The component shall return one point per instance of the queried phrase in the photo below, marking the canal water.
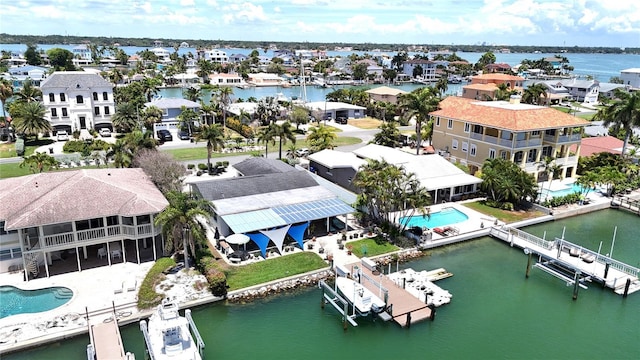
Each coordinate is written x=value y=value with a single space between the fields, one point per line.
x=495 y=312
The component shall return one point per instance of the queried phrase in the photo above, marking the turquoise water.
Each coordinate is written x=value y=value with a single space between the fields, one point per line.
x=15 y=301
x=448 y=216
x=563 y=192
x=495 y=312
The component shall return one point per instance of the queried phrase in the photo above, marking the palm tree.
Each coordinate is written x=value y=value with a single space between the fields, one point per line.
x=28 y=93
x=126 y=117
x=193 y=94
x=533 y=93
x=417 y=105
x=39 y=162
x=138 y=139
x=210 y=112
x=151 y=115
x=622 y=114
x=214 y=136
x=29 y=118
x=121 y=154
x=115 y=76
x=550 y=168
x=321 y=137
x=224 y=94
x=6 y=92
x=181 y=217
x=442 y=85
x=284 y=133
x=267 y=135
x=150 y=87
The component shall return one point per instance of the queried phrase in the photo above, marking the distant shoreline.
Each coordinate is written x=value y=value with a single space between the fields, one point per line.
x=331 y=46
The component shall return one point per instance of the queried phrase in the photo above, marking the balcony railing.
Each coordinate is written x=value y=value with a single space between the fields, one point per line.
x=528 y=143
x=83 y=236
x=563 y=138
x=571 y=160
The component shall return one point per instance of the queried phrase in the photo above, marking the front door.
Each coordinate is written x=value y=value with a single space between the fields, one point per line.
x=83 y=122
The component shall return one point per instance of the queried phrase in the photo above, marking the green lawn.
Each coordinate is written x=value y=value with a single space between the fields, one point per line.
x=200 y=153
x=272 y=269
x=14 y=170
x=8 y=150
x=371 y=247
x=502 y=215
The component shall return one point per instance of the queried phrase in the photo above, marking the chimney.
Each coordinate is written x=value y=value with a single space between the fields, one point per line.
x=515 y=99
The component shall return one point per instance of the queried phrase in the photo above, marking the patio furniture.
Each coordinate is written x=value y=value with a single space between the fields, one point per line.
x=102 y=253
x=116 y=254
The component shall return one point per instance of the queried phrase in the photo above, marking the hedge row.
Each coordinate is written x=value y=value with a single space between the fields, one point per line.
x=215 y=276
x=240 y=128
x=147 y=295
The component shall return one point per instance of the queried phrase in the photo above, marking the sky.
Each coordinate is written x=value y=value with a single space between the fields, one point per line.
x=610 y=23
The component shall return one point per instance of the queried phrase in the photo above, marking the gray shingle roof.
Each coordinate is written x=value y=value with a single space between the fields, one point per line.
x=57 y=197
x=74 y=79
x=252 y=185
x=261 y=166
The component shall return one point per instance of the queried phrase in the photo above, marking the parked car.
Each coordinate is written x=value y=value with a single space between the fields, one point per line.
x=105 y=132
x=302 y=152
x=183 y=135
x=164 y=135
x=63 y=136
x=342 y=120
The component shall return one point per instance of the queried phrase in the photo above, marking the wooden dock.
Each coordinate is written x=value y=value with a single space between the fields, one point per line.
x=106 y=342
x=405 y=309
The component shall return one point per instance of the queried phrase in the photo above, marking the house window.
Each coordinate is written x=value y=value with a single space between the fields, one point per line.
x=465 y=146
x=52 y=97
x=54 y=112
x=79 y=99
x=105 y=96
x=437 y=121
x=96 y=110
x=535 y=133
x=467 y=127
x=450 y=124
x=64 y=112
x=492 y=153
x=106 y=110
x=454 y=144
x=473 y=150
x=63 y=97
x=503 y=155
x=95 y=96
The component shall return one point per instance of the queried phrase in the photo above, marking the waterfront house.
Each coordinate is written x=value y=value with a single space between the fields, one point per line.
x=586 y=91
x=333 y=110
x=162 y=54
x=237 y=58
x=385 y=94
x=484 y=86
x=441 y=178
x=224 y=79
x=58 y=222
x=264 y=79
x=214 y=55
x=268 y=201
x=81 y=55
x=498 y=68
x=78 y=100
x=18 y=75
x=470 y=131
x=631 y=77
x=428 y=72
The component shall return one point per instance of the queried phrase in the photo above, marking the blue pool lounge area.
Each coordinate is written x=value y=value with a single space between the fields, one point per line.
x=446 y=216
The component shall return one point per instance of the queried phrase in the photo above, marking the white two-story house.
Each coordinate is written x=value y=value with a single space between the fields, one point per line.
x=75 y=220
x=78 y=100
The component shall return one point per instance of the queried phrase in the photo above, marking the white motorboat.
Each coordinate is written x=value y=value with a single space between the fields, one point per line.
x=360 y=297
x=169 y=335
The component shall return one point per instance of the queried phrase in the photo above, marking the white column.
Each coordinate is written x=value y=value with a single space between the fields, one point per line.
x=108 y=254
x=78 y=258
x=124 y=252
x=137 y=251
x=46 y=266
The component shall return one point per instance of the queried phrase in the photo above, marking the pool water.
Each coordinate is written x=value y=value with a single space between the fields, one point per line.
x=446 y=216
x=15 y=301
x=562 y=192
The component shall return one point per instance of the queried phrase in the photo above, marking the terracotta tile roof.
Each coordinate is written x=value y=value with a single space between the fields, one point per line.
x=498 y=77
x=598 y=144
x=485 y=87
x=56 y=197
x=503 y=115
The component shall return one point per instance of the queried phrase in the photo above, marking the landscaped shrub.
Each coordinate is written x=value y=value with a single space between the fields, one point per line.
x=216 y=278
x=242 y=129
x=191 y=166
x=562 y=200
x=202 y=167
x=84 y=147
x=20 y=147
x=147 y=295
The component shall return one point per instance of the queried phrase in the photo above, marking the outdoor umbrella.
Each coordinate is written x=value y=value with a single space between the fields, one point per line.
x=238 y=239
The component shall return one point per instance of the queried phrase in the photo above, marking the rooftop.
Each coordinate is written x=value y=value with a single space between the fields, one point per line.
x=504 y=115
x=172 y=103
x=260 y=166
x=56 y=197
x=385 y=90
x=74 y=79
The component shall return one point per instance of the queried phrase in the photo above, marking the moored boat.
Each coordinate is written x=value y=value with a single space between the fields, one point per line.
x=361 y=298
x=171 y=336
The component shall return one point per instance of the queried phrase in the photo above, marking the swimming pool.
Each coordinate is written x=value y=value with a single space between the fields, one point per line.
x=15 y=301
x=446 y=216
x=562 y=192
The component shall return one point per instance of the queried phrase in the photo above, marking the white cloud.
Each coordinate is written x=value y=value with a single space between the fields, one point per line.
x=187 y=2
x=244 y=13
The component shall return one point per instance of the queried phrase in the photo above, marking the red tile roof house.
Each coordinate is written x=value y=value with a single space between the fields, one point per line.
x=598 y=144
x=51 y=223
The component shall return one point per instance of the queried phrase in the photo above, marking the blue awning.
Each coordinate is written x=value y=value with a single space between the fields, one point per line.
x=285 y=215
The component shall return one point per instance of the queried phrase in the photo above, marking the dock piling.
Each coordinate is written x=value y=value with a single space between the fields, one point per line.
x=626 y=288
x=408 y=320
x=528 y=252
x=576 y=284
